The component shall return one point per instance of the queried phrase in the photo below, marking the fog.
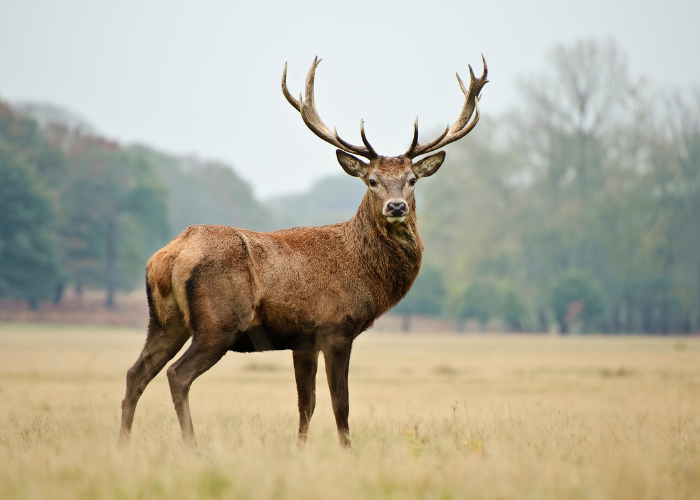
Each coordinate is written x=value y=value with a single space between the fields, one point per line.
x=204 y=78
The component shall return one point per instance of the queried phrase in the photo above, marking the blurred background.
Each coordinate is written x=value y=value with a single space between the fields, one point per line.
x=572 y=207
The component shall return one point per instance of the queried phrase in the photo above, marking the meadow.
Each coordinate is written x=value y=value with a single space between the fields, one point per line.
x=432 y=417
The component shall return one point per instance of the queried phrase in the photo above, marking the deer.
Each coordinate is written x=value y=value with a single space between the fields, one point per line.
x=306 y=289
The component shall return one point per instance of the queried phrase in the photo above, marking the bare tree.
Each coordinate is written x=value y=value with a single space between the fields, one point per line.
x=673 y=143
x=567 y=113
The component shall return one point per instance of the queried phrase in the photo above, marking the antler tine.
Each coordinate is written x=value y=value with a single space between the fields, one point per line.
x=307 y=109
x=364 y=139
x=417 y=150
x=460 y=128
x=414 y=142
x=286 y=92
x=345 y=145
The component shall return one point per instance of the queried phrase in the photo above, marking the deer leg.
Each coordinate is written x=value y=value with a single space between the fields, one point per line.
x=162 y=344
x=305 y=366
x=202 y=354
x=337 y=358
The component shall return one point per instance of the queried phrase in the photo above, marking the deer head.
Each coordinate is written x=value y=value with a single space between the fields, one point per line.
x=390 y=180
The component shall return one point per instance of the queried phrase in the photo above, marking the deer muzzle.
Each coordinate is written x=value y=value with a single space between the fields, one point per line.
x=395 y=210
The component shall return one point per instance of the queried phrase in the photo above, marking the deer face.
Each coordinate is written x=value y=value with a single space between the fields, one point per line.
x=391 y=181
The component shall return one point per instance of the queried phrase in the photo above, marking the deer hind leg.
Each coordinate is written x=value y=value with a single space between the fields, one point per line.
x=204 y=352
x=162 y=344
x=337 y=358
x=305 y=367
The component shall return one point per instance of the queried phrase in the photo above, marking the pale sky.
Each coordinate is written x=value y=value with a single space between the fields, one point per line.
x=203 y=77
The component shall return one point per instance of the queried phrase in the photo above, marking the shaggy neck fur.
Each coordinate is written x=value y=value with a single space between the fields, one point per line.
x=389 y=253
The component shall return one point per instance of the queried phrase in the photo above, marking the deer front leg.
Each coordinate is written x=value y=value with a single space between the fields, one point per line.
x=305 y=366
x=337 y=359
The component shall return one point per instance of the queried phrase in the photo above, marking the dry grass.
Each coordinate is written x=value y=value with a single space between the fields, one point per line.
x=431 y=416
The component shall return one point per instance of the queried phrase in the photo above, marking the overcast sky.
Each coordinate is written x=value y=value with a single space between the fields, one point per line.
x=204 y=77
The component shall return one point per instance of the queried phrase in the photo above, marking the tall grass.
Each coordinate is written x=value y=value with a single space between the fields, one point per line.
x=431 y=417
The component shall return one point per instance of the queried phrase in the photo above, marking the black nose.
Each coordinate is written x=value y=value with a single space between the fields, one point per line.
x=397 y=208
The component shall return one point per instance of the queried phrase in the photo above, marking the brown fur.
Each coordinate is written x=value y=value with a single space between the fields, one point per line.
x=308 y=289
x=158 y=271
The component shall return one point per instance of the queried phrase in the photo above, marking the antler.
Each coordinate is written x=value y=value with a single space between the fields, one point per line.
x=460 y=128
x=307 y=109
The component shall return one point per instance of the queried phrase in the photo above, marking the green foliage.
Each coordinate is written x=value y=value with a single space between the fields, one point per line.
x=470 y=212
x=116 y=217
x=597 y=176
x=204 y=193
x=512 y=308
x=28 y=260
x=77 y=209
x=30 y=178
x=427 y=295
x=480 y=301
x=574 y=290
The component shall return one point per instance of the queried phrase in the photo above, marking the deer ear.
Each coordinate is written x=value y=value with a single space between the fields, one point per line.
x=429 y=165
x=352 y=166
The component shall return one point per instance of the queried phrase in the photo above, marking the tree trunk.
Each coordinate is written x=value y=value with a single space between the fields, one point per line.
x=544 y=324
x=615 y=324
x=111 y=263
x=629 y=309
x=58 y=292
x=665 y=302
x=647 y=322
x=405 y=323
x=563 y=326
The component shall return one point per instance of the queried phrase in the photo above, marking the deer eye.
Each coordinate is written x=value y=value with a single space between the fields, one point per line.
x=372 y=183
x=412 y=181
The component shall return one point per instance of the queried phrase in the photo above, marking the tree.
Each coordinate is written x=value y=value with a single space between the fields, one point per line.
x=673 y=131
x=512 y=308
x=201 y=192
x=28 y=262
x=478 y=301
x=116 y=217
x=583 y=159
x=426 y=297
x=576 y=295
x=568 y=115
x=31 y=171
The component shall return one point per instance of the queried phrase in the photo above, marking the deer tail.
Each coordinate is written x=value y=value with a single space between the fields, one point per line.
x=159 y=270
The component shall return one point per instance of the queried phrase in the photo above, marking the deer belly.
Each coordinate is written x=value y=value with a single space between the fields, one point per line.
x=258 y=339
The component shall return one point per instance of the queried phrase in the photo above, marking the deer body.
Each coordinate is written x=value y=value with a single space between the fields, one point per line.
x=310 y=290
x=287 y=287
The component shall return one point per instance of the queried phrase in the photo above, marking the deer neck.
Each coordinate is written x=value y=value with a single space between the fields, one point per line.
x=390 y=253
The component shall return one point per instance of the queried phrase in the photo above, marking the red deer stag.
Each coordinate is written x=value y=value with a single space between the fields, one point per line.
x=307 y=289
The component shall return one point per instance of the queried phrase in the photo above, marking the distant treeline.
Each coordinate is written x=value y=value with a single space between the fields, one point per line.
x=579 y=209
x=79 y=210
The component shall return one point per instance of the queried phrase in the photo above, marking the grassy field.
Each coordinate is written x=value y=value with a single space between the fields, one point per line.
x=478 y=416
